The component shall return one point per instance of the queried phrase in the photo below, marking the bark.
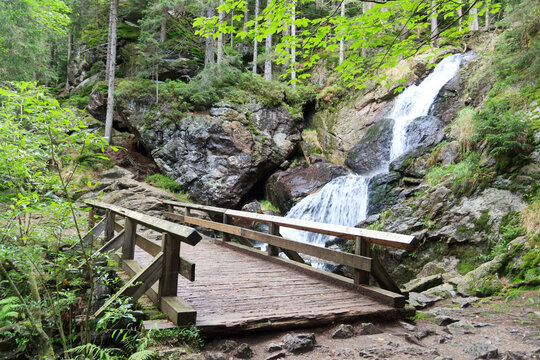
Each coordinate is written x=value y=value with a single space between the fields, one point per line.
x=366 y=6
x=268 y=50
x=293 y=47
x=460 y=15
x=220 y=36
x=69 y=47
x=487 y=18
x=163 y=32
x=111 y=64
x=232 y=33
x=474 y=15
x=433 y=19
x=255 y=41
x=209 y=46
x=342 y=40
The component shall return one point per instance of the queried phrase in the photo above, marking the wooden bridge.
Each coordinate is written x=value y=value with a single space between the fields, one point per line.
x=237 y=287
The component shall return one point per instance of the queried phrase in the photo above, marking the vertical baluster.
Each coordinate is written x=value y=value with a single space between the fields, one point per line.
x=168 y=283
x=273 y=229
x=361 y=248
x=130 y=235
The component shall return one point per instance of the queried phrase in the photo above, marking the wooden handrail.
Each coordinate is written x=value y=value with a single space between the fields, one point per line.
x=406 y=242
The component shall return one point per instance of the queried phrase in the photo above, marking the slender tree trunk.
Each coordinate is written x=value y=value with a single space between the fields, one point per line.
x=255 y=41
x=246 y=18
x=232 y=33
x=286 y=33
x=221 y=16
x=342 y=40
x=487 y=17
x=111 y=65
x=474 y=15
x=163 y=32
x=460 y=15
x=434 y=23
x=293 y=45
x=69 y=47
x=209 y=46
x=366 y=6
x=268 y=50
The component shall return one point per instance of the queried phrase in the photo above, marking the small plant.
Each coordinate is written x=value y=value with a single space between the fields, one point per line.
x=266 y=205
x=163 y=181
x=8 y=310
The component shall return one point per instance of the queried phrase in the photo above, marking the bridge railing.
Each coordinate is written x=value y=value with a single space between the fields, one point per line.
x=164 y=267
x=362 y=261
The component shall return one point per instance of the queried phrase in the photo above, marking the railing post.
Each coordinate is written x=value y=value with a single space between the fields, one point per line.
x=109 y=226
x=226 y=236
x=168 y=283
x=362 y=249
x=273 y=229
x=130 y=235
x=91 y=218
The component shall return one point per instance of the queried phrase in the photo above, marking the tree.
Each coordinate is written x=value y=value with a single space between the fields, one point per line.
x=268 y=49
x=342 y=39
x=220 y=36
x=110 y=68
x=293 y=45
x=433 y=19
x=209 y=44
x=255 y=39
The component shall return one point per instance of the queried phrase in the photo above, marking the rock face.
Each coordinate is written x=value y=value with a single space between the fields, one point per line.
x=374 y=148
x=284 y=188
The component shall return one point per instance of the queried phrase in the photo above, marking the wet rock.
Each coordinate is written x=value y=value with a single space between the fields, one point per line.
x=482 y=350
x=461 y=327
x=420 y=301
x=228 y=346
x=369 y=329
x=383 y=192
x=373 y=150
x=285 y=188
x=344 y=331
x=299 y=343
x=273 y=347
x=216 y=356
x=424 y=283
x=244 y=352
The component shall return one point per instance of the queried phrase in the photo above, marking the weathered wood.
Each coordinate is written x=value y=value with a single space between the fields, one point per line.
x=187 y=268
x=361 y=248
x=179 y=312
x=355 y=261
x=273 y=230
x=138 y=284
x=225 y=236
x=130 y=234
x=168 y=283
x=114 y=244
x=91 y=218
x=184 y=233
x=94 y=233
x=109 y=227
x=406 y=242
x=381 y=276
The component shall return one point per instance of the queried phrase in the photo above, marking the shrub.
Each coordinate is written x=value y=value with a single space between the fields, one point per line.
x=465 y=128
x=163 y=181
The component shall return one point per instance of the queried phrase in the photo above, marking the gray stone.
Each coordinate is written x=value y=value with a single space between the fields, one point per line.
x=407 y=326
x=228 y=346
x=273 y=347
x=244 y=352
x=369 y=329
x=299 y=343
x=279 y=355
x=444 y=320
x=514 y=355
x=344 y=331
x=424 y=283
x=420 y=301
x=482 y=350
x=216 y=356
x=485 y=273
x=461 y=327
x=116 y=172
x=444 y=291
x=383 y=192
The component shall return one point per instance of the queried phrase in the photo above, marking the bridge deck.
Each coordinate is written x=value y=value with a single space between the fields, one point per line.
x=235 y=292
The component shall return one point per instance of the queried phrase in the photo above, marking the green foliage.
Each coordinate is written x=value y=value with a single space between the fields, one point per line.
x=266 y=205
x=190 y=335
x=8 y=310
x=163 y=181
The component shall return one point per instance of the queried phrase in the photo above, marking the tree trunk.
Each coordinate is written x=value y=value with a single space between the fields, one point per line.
x=366 y=6
x=433 y=19
x=221 y=15
x=111 y=64
x=268 y=50
x=69 y=47
x=163 y=32
x=232 y=32
x=209 y=46
x=460 y=16
x=293 y=46
x=487 y=17
x=255 y=41
x=342 y=40
x=474 y=15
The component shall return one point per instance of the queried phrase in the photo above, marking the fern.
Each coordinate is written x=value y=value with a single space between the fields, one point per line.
x=8 y=310
x=94 y=352
x=143 y=355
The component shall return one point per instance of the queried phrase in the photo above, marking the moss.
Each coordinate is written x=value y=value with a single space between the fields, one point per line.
x=487 y=286
x=481 y=224
x=163 y=181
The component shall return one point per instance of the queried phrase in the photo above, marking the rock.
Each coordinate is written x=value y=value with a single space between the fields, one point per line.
x=86 y=83
x=244 y=352
x=369 y=329
x=273 y=347
x=171 y=353
x=444 y=291
x=219 y=156
x=482 y=280
x=443 y=358
x=228 y=346
x=444 y=320
x=482 y=350
x=299 y=343
x=514 y=355
x=254 y=207
x=116 y=173
x=216 y=356
x=407 y=326
x=344 y=331
x=285 y=188
x=420 y=301
x=465 y=302
x=461 y=328
x=373 y=150
x=424 y=334
x=424 y=283
x=382 y=192
x=279 y=355
x=449 y=154
x=449 y=101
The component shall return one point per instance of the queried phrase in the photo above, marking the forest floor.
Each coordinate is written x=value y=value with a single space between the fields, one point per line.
x=497 y=327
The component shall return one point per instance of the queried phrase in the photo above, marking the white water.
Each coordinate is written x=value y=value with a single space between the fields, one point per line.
x=344 y=200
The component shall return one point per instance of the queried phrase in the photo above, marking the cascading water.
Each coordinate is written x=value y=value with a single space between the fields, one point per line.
x=344 y=200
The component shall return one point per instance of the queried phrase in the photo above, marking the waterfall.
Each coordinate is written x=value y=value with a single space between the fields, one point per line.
x=344 y=200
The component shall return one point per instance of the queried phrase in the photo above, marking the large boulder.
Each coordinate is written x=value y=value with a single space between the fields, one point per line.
x=383 y=192
x=217 y=156
x=373 y=150
x=285 y=188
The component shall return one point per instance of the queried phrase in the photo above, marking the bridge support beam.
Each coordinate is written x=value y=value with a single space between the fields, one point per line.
x=168 y=283
x=130 y=236
x=362 y=249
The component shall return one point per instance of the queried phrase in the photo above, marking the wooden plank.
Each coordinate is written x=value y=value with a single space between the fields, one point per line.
x=384 y=296
x=138 y=284
x=95 y=232
x=109 y=226
x=184 y=233
x=178 y=311
x=114 y=244
x=224 y=236
x=355 y=261
x=91 y=218
x=361 y=248
x=130 y=234
x=187 y=268
x=168 y=283
x=273 y=229
x=381 y=276
x=406 y=242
